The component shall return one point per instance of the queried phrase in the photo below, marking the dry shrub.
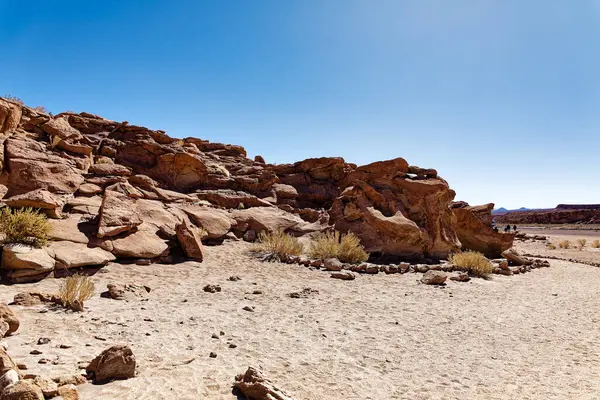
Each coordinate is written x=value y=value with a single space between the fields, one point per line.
x=596 y=244
x=14 y=99
x=54 y=141
x=581 y=242
x=74 y=290
x=26 y=226
x=41 y=109
x=564 y=244
x=472 y=262
x=104 y=160
x=550 y=246
x=278 y=244
x=346 y=248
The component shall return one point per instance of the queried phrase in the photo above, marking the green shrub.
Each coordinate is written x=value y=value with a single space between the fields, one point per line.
x=26 y=226
x=346 y=248
x=472 y=262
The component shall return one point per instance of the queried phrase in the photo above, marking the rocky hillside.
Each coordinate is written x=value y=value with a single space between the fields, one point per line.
x=115 y=190
x=562 y=214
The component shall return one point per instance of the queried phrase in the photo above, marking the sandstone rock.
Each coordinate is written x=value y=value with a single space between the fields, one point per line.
x=22 y=263
x=10 y=115
x=231 y=199
x=7 y=315
x=283 y=191
x=514 y=258
x=49 y=387
x=22 y=390
x=249 y=235
x=60 y=127
x=344 y=275
x=268 y=219
x=432 y=277
x=212 y=288
x=118 y=214
x=259 y=159
x=141 y=244
x=130 y=291
x=214 y=221
x=28 y=299
x=460 y=277
x=155 y=213
x=190 y=240
x=70 y=380
x=125 y=188
x=71 y=229
x=110 y=169
x=73 y=255
x=89 y=189
x=3 y=191
x=474 y=230
x=333 y=264
x=10 y=377
x=51 y=204
x=27 y=175
x=253 y=385
x=116 y=362
x=68 y=392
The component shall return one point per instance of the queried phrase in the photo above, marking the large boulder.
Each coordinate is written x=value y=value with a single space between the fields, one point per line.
x=189 y=238
x=22 y=263
x=116 y=362
x=72 y=229
x=50 y=203
x=60 y=127
x=8 y=316
x=145 y=243
x=216 y=223
x=270 y=219
x=118 y=214
x=474 y=230
x=73 y=255
x=10 y=115
x=157 y=214
x=231 y=199
x=22 y=390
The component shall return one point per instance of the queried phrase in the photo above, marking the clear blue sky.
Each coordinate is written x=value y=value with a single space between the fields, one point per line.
x=502 y=97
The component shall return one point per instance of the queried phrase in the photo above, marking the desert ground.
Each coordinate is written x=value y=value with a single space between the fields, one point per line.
x=528 y=336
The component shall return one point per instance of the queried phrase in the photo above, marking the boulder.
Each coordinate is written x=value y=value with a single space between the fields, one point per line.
x=333 y=264
x=460 y=277
x=89 y=189
x=50 y=203
x=85 y=205
x=22 y=390
x=215 y=222
x=119 y=291
x=110 y=169
x=433 y=277
x=474 y=230
x=27 y=175
x=344 y=275
x=72 y=229
x=515 y=259
x=10 y=115
x=10 y=377
x=231 y=199
x=73 y=255
x=116 y=362
x=127 y=189
x=145 y=243
x=118 y=214
x=60 y=127
x=7 y=315
x=270 y=219
x=155 y=213
x=190 y=240
x=68 y=392
x=48 y=386
x=22 y=263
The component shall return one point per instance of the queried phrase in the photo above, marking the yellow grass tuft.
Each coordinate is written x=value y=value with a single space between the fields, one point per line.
x=41 y=109
x=581 y=242
x=14 y=99
x=564 y=244
x=472 y=262
x=26 y=226
x=278 y=244
x=74 y=290
x=596 y=244
x=346 y=248
x=550 y=246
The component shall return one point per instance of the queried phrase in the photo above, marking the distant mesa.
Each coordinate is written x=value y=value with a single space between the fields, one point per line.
x=561 y=214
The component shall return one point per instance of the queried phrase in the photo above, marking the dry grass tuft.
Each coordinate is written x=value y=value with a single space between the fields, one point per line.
x=14 y=99
x=41 y=109
x=74 y=290
x=596 y=244
x=346 y=248
x=550 y=246
x=278 y=244
x=564 y=244
x=26 y=226
x=472 y=262
x=581 y=242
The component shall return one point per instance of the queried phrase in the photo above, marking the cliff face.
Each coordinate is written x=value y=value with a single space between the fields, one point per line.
x=561 y=215
x=116 y=183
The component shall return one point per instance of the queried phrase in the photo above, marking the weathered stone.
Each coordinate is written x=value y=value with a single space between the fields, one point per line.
x=189 y=238
x=22 y=263
x=344 y=275
x=118 y=214
x=432 y=277
x=128 y=291
x=73 y=255
x=117 y=362
x=514 y=258
x=7 y=315
x=110 y=169
x=51 y=204
x=332 y=264
x=22 y=390
x=89 y=189
x=141 y=244
x=215 y=222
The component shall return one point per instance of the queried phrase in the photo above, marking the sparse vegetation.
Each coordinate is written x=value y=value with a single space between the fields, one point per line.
x=596 y=244
x=41 y=109
x=26 y=226
x=14 y=99
x=75 y=290
x=346 y=248
x=278 y=244
x=550 y=246
x=54 y=141
x=581 y=242
x=472 y=262
x=564 y=244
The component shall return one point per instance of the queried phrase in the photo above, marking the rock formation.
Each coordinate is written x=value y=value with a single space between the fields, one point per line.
x=562 y=214
x=117 y=190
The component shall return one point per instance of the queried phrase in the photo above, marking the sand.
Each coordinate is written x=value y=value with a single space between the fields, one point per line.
x=532 y=336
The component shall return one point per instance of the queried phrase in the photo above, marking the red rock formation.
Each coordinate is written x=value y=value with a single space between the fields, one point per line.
x=560 y=215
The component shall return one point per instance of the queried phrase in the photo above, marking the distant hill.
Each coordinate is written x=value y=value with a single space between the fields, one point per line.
x=562 y=214
x=502 y=210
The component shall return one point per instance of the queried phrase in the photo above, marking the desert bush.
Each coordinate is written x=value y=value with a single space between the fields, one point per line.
x=27 y=226
x=472 y=262
x=564 y=244
x=14 y=99
x=550 y=246
x=581 y=242
x=596 y=244
x=278 y=244
x=74 y=290
x=54 y=141
x=41 y=109
x=346 y=248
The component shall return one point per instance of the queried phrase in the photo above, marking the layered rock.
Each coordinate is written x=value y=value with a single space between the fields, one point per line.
x=475 y=232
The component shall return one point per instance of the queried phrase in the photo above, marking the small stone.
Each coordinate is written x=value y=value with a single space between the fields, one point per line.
x=248 y=308
x=460 y=277
x=344 y=275
x=234 y=278
x=222 y=333
x=434 y=277
x=232 y=345
x=35 y=352
x=44 y=361
x=68 y=392
x=213 y=354
x=333 y=264
x=43 y=340
x=100 y=338
x=65 y=346
x=212 y=288
x=214 y=336
x=257 y=292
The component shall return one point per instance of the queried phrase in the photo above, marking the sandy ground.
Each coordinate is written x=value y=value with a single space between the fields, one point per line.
x=555 y=236
x=532 y=336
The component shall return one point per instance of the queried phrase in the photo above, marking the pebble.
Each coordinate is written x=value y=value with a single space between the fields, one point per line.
x=43 y=340
x=213 y=354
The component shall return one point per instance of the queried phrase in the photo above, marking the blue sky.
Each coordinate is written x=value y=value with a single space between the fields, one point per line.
x=502 y=97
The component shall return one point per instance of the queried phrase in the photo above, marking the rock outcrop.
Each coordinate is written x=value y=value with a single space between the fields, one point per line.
x=474 y=230
x=116 y=362
x=132 y=192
